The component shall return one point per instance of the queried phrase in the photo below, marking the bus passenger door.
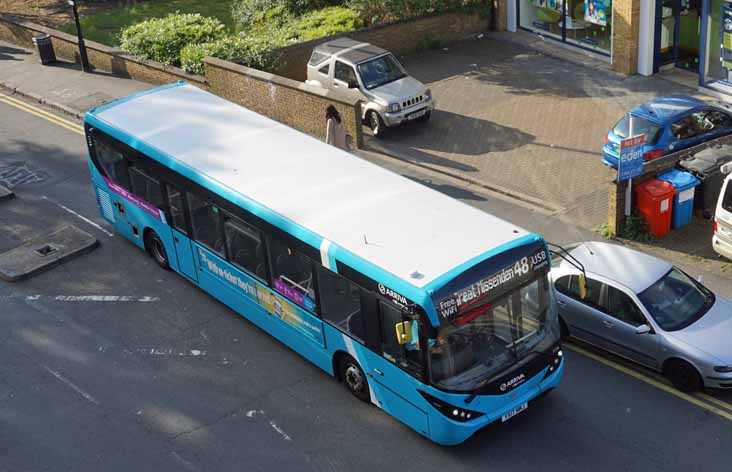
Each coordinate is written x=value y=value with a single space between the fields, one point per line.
x=394 y=372
x=179 y=229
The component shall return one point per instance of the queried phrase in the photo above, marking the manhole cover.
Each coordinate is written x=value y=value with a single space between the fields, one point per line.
x=20 y=173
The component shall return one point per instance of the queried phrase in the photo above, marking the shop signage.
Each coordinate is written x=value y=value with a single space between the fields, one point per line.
x=726 y=53
x=596 y=11
x=630 y=163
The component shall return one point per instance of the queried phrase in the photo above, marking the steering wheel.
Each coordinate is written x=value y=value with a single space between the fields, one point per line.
x=707 y=124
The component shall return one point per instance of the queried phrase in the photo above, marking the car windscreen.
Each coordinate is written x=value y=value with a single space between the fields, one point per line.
x=676 y=301
x=380 y=71
x=651 y=130
x=727 y=199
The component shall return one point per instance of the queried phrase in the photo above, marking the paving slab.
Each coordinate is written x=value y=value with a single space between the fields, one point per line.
x=44 y=252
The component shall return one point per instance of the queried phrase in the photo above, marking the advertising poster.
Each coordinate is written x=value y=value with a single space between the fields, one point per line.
x=551 y=4
x=288 y=313
x=631 y=159
x=596 y=11
x=726 y=53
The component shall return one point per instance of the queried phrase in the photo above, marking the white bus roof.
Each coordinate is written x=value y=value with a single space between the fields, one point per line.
x=390 y=221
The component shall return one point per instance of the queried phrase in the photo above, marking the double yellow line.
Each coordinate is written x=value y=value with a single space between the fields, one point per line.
x=702 y=400
x=69 y=125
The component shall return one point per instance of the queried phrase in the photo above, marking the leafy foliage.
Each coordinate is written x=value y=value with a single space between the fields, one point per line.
x=249 y=51
x=635 y=228
x=162 y=39
x=385 y=11
x=324 y=22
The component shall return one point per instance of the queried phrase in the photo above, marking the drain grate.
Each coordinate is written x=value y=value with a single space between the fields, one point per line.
x=45 y=250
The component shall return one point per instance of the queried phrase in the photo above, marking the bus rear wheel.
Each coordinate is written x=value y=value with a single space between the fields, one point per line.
x=156 y=249
x=354 y=378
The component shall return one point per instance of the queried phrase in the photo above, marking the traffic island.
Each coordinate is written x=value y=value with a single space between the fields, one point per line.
x=44 y=252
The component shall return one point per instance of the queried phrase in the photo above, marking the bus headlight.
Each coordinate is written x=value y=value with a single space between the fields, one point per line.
x=451 y=411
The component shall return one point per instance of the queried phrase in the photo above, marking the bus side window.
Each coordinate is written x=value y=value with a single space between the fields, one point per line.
x=407 y=359
x=175 y=204
x=245 y=246
x=206 y=223
x=340 y=302
x=114 y=164
x=145 y=187
x=292 y=274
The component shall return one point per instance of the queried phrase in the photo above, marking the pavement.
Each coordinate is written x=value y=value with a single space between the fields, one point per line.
x=522 y=116
x=62 y=85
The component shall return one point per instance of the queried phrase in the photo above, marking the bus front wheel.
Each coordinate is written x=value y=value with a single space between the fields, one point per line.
x=156 y=249
x=354 y=378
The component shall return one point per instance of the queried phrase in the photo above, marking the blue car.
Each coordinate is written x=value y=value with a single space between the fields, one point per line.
x=669 y=124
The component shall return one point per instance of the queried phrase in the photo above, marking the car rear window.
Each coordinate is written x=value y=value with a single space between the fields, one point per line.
x=640 y=126
x=316 y=58
x=727 y=199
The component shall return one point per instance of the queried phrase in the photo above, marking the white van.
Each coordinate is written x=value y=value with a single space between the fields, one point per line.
x=722 y=240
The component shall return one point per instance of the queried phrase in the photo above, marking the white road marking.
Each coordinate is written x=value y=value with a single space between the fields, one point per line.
x=71 y=385
x=157 y=351
x=81 y=217
x=279 y=430
x=184 y=462
x=83 y=298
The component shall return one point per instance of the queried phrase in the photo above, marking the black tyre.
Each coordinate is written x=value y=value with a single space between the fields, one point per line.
x=156 y=249
x=378 y=128
x=426 y=117
x=683 y=376
x=354 y=378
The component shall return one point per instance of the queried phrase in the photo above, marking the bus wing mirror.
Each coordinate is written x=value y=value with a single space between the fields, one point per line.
x=404 y=332
x=582 y=286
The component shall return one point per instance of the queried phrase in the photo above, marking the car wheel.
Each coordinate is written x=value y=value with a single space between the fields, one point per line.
x=156 y=249
x=354 y=378
x=683 y=376
x=426 y=117
x=378 y=128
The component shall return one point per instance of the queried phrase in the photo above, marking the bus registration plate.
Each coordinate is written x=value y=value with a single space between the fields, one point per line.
x=514 y=412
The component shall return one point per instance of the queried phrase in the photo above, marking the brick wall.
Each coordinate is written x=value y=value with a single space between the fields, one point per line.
x=400 y=38
x=616 y=204
x=625 y=30
x=290 y=102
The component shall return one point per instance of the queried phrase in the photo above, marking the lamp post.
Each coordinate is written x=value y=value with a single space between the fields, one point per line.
x=82 y=47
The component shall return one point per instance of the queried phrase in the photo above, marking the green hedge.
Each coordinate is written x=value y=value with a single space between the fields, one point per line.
x=162 y=39
x=325 y=22
x=248 y=51
x=385 y=11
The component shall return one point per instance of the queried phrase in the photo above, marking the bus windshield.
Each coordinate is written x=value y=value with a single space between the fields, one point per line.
x=491 y=336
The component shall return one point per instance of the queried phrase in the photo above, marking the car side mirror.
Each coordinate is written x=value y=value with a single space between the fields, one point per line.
x=352 y=84
x=403 y=332
x=643 y=329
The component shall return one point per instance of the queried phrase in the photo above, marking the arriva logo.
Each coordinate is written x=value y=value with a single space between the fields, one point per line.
x=513 y=383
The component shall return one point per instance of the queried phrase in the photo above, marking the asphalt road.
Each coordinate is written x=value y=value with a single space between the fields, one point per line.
x=109 y=363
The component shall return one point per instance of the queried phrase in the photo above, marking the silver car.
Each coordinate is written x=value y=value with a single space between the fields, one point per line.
x=644 y=309
x=362 y=71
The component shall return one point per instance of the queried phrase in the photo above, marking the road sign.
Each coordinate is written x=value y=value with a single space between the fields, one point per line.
x=630 y=163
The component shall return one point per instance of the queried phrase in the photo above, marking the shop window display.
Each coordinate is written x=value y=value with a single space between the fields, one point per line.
x=587 y=23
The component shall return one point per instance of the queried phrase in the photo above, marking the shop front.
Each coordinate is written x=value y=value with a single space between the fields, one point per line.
x=678 y=34
x=716 y=32
x=583 y=23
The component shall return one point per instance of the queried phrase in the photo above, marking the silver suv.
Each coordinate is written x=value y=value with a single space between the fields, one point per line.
x=362 y=71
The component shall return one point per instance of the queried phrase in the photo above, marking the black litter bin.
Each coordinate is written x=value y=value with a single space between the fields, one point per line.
x=705 y=165
x=45 y=48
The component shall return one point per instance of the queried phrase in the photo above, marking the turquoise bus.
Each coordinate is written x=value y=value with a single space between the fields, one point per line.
x=436 y=312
